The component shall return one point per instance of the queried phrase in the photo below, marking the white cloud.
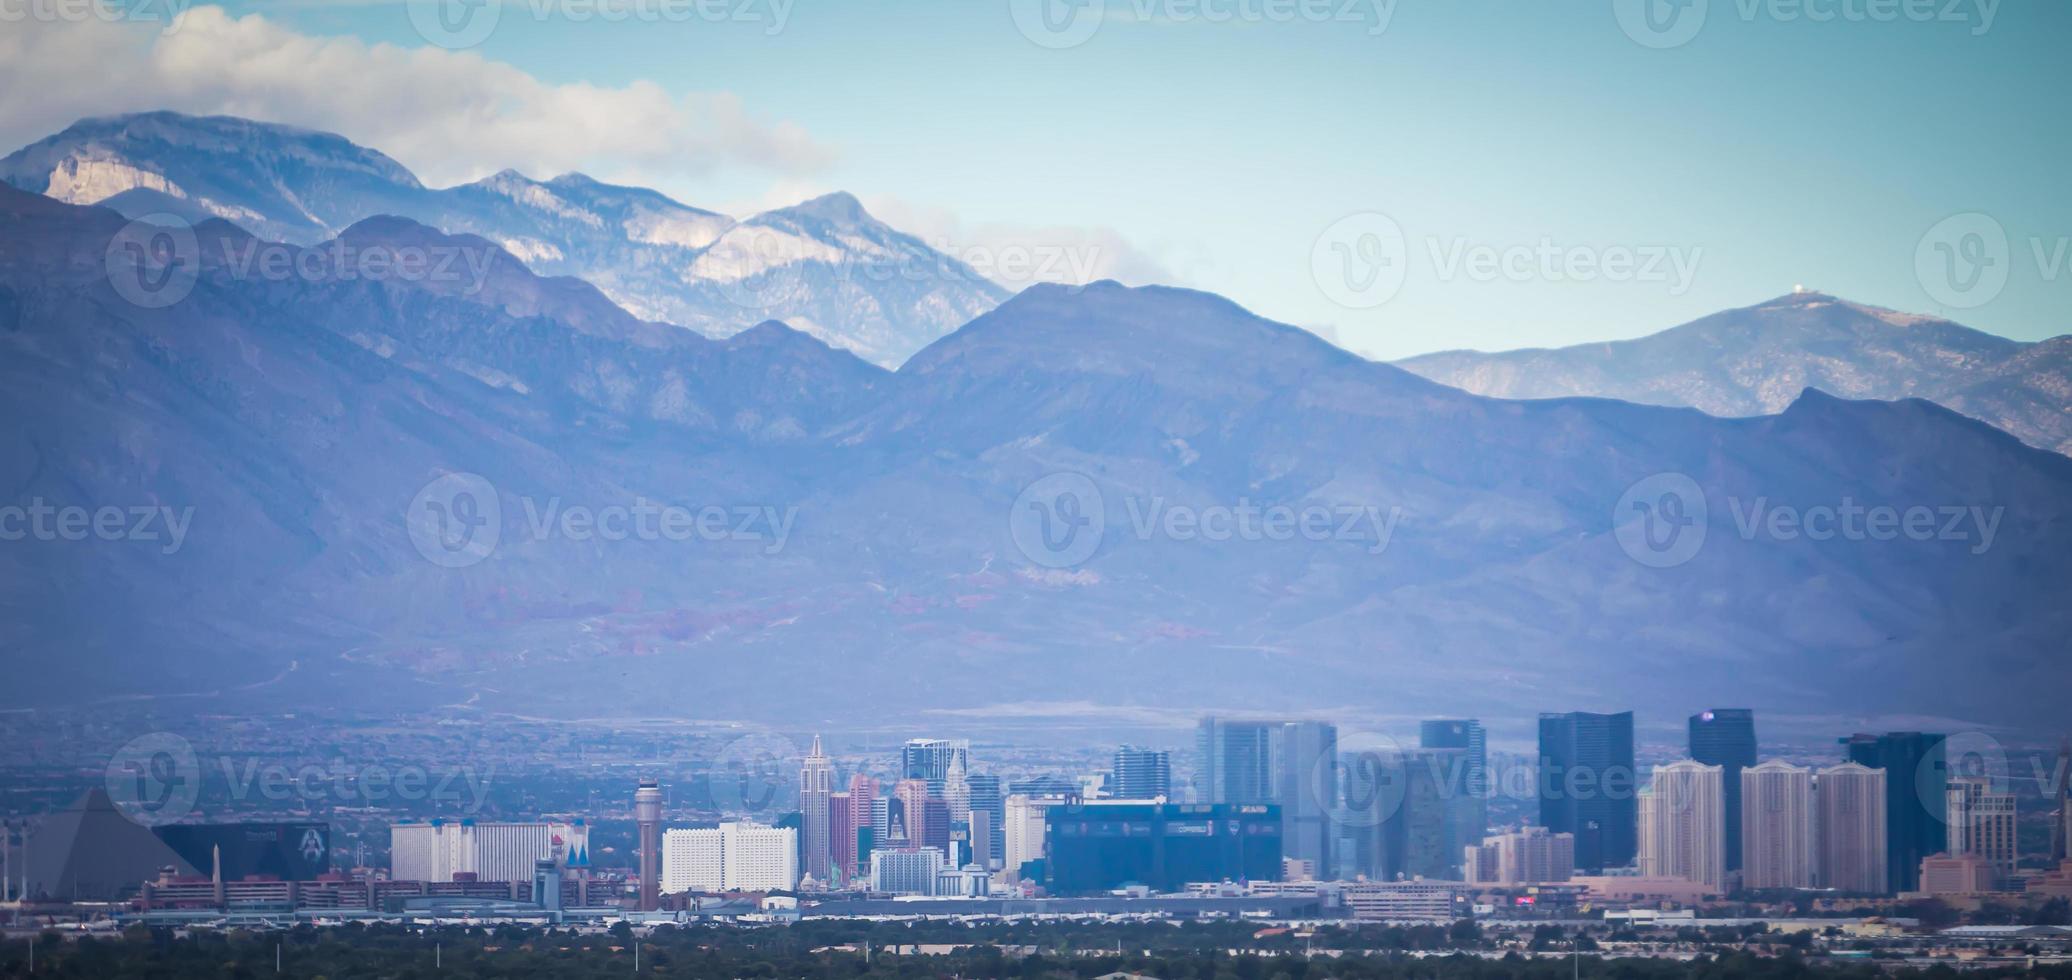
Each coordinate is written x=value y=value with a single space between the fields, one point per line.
x=449 y=116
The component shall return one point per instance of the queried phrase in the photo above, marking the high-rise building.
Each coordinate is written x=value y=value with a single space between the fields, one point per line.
x=1024 y=830
x=1098 y=845
x=956 y=793
x=1397 y=815
x=986 y=798
x=1849 y=823
x=735 y=856
x=982 y=838
x=1140 y=774
x=693 y=860
x=442 y=850
x=1467 y=784
x=1916 y=793
x=913 y=797
x=1725 y=737
x=841 y=839
x=1981 y=822
x=816 y=786
x=647 y=816
x=907 y=871
x=1292 y=765
x=1587 y=783
x=1777 y=826
x=866 y=815
x=929 y=759
x=1683 y=824
x=1527 y=856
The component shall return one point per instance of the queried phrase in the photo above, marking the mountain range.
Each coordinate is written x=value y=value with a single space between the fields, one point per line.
x=1756 y=360
x=825 y=266
x=888 y=543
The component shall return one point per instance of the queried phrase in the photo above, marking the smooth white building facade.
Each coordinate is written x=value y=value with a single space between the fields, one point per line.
x=1024 y=830
x=1683 y=825
x=442 y=849
x=1850 y=826
x=735 y=856
x=1777 y=844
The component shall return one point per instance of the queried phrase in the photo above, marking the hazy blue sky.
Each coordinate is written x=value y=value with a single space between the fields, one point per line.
x=1217 y=140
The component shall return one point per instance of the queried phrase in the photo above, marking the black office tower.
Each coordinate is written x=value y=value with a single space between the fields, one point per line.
x=1916 y=786
x=1096 y=846
x=1725 y=737
x=1587 y=786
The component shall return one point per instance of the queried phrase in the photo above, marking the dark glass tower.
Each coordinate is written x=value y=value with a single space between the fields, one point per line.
x=1466 y=784
x=1586 y=785
x=1917 y=783
x=1725 y=737
x=1291 y=764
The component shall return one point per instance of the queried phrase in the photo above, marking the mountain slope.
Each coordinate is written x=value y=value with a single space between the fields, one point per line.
x=826 y=266
x=1284 y=526
x=1756 y=360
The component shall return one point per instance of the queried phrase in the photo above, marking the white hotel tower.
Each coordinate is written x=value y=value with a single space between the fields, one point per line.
x=1683 y=824
x=1777 y=844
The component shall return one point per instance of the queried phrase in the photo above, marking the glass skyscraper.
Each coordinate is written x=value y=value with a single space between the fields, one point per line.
x=1725 y=737
x=1289 y=764
x=1587 y=785
x=1465 y=785
x=1916 y=791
